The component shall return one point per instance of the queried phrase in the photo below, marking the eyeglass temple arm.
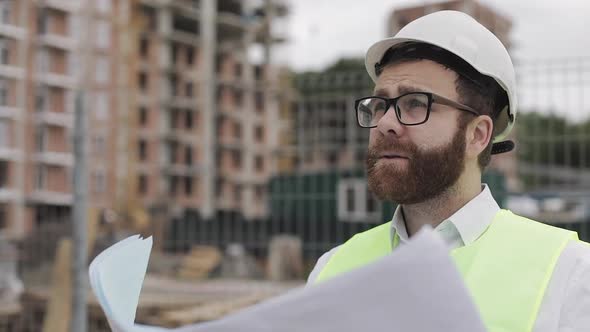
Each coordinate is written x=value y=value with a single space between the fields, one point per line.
x=444 y=101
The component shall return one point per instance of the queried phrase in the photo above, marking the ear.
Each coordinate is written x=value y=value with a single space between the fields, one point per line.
x=479 y=133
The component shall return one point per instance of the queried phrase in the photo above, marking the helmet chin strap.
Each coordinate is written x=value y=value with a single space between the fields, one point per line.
x=501 y=147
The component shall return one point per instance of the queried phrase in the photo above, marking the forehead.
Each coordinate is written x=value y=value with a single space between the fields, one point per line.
x=419 y=75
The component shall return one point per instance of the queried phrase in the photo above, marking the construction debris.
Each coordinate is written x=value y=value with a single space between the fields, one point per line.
x=238 y=264
x=285 y=259
x=11 y=286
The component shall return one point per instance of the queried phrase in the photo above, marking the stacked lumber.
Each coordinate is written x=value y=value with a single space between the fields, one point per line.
x=199 y=262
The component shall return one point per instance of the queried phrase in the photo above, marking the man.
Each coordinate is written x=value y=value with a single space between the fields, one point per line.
x=444 y=99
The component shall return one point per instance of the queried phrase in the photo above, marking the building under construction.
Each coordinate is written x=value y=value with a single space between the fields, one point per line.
x=181 y=119
x=202 y=120
x=45 y=54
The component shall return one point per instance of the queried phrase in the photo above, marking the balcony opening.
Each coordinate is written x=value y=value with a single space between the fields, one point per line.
x=40 y=177
x=238 y=97
x=259 y=163
x=185 y=24
x=238 y=70
x=190 y=55
x=52 y=214
x=3 y=219
x=258 y=73
x=4 y=169
x=189 y=120
x=188 y=186
x=231 y=6
x=332 y=159
x=42 y=21
x=258 y=193
x=149 y=17
x=144 y=48
x=219 y=93
x=237 y=131
x=40 y=139
x=259 y=101
x=3 y=92
x=236 y=159
x=219 y=60
x=238 y=193
x=259 y=134
x=143 y=150
x=173 y=152
x=173 y=185
x=143 y=81
x=173 y=79
x=174 y=53
x=189 y=89
x=188 y=155
x=219 y=184
x=143 y=116
x=142 y=184
x=174 y=115
x=4 y=51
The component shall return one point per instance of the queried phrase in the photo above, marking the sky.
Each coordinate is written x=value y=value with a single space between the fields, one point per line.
x=322 y=31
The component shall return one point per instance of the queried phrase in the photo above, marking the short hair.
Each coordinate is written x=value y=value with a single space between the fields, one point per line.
x=479 y=91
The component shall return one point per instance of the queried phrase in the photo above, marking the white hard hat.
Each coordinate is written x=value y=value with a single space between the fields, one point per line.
x=463 y=36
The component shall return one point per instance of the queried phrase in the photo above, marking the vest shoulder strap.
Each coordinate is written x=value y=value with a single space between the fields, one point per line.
x=361 y=249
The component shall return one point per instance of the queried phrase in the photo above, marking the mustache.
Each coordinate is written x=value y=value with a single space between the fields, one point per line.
x=383 y=144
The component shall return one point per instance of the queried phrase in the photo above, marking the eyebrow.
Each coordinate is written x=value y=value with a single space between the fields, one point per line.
x=402 y=89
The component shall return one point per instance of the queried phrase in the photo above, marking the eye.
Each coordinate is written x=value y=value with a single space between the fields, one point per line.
x=415 y=102
x=379 y=108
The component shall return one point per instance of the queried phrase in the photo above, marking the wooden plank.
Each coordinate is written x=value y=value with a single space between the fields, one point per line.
x=92 y=228
x=59 y=306
x=208 y=311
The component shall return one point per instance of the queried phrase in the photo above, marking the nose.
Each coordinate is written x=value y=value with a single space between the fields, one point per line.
x=389 y=124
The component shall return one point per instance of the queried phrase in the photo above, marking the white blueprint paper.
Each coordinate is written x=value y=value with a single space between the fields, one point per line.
x=416 y=288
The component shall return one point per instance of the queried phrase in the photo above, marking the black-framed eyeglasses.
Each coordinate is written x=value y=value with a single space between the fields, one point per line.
x=411 y=108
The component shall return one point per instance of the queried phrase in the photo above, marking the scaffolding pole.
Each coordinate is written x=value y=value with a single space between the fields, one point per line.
x=79 y=272
x=79 y=312
x=209 y=84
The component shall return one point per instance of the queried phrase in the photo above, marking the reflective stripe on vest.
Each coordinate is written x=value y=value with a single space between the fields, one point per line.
x=507 y=269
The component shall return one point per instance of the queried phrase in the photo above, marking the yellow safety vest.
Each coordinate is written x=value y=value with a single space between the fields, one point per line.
x=506 y=270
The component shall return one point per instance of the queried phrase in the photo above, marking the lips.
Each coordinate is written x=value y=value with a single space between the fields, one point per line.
x=392 y=156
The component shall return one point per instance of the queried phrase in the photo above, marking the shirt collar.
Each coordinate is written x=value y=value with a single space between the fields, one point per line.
x=463 y=227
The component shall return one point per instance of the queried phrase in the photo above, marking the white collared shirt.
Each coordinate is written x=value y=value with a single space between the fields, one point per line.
x=459 y=229
x=566 y=303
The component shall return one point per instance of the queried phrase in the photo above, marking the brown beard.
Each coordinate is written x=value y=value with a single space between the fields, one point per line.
x=427 y=174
